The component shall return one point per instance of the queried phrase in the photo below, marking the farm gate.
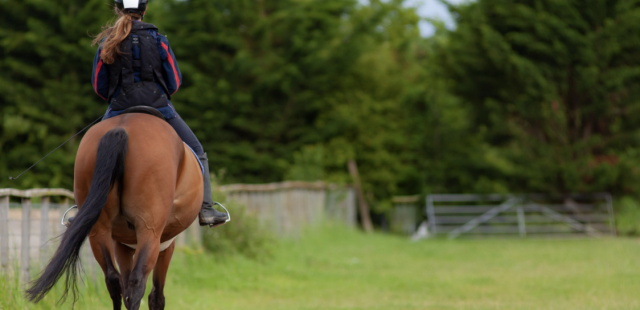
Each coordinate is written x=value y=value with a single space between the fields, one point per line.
x=454 y=215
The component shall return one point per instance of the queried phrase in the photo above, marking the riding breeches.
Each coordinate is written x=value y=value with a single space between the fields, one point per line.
x=186 y=134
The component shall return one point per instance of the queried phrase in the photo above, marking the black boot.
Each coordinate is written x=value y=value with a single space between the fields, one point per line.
x=208 y=215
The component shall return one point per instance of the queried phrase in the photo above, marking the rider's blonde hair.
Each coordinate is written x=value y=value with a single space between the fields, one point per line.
x=113 y=35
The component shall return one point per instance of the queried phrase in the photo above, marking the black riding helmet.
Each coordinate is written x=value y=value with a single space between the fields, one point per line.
x=132 y=6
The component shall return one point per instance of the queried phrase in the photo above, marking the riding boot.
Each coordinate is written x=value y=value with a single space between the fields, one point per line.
x=208 y=215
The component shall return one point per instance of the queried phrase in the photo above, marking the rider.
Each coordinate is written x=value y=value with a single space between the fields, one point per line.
x=133 y=66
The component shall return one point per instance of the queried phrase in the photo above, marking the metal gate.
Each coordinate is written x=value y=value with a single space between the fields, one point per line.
x=532 y=214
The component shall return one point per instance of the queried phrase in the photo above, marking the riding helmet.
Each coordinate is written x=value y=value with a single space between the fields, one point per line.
x=132 y=6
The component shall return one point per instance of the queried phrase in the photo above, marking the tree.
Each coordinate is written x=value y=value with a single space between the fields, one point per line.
x=554 y=84
x=264 y=82
x=45 y=86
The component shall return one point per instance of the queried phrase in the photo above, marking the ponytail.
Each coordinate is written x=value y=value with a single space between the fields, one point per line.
x=113 y=36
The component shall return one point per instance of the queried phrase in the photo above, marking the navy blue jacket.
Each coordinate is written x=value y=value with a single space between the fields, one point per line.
x=172 y=75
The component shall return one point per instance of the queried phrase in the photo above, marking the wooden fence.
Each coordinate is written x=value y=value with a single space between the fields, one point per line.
x=30 y=220
x=405 y=214
x=288 y=207
x=25 y=235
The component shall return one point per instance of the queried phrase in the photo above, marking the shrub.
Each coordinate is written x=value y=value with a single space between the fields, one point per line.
x=243 y=235
x=628 y=216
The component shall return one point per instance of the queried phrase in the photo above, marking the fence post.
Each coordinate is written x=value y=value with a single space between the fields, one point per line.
x=59 y=229
x=612 y=224
x=431 y=215
x=44 y=230
x=89 y=260
x=352 y=217
x=195 y=233
x=25 y=263
x=4 y=233
x=181 y=240
x=521 y=224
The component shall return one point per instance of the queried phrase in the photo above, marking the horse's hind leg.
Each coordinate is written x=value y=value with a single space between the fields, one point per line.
x=124 y=257
x=145 y=259
x=156 y=298
x=102 y=248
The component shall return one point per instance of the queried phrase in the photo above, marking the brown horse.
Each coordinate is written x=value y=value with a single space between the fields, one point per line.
x=137 y=186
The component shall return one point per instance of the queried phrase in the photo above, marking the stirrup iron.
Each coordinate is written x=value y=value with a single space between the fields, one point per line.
x=68 y=222
x=225 y=209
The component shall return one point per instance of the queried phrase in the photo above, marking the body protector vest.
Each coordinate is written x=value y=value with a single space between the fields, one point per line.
x=121 y=72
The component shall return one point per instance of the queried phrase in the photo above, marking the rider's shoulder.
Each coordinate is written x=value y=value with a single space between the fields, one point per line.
x=162 y=37
x=161 y=34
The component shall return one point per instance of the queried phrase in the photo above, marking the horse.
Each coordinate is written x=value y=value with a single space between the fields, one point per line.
x=137 y=186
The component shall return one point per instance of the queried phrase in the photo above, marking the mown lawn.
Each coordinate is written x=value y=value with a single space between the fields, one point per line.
x=335 y=268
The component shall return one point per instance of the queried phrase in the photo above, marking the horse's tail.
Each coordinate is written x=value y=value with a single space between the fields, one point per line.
x=109 y=169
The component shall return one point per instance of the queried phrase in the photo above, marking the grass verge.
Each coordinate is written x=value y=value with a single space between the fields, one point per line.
x=337 y=268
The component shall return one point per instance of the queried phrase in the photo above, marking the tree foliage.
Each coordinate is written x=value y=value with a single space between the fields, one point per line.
x=554 y=84
x=522 y=96
x=45 y=88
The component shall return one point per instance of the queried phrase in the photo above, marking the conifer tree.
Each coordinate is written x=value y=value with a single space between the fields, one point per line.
x=264 y=80
x=45 y=86
x=554 y=84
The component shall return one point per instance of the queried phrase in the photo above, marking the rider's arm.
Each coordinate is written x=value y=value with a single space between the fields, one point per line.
x=172 y=75
x=100 y=76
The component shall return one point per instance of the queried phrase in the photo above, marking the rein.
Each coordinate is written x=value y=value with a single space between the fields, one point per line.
x=65 y=142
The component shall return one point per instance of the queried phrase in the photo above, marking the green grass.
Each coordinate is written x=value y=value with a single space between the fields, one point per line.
x=335 y=268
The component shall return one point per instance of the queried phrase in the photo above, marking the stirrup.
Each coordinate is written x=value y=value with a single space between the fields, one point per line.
x=225 y=210
x=68 y=222
x=221 y=223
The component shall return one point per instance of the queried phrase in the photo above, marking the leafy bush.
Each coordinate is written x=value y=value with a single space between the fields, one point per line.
x=243 y=235
x=628 y=216
x=307 y=164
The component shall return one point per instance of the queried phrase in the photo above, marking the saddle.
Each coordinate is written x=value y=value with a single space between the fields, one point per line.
x=144 y=110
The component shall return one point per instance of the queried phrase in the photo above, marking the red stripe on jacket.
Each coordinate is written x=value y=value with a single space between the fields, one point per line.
x=173 y=66
x=95 y=79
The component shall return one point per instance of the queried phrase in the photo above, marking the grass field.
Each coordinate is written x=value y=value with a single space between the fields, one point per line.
x=335 y=268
